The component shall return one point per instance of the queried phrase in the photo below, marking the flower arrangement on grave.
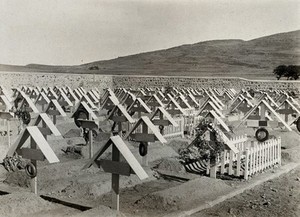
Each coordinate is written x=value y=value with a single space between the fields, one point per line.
x=207 y=145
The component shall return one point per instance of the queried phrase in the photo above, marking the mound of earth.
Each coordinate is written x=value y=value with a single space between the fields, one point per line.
x=290 y=155
x=65 y=125
x=100 y=210
x=178 y=143
x=170 y=165
x=102 y=136
x=73 y=133
x=197 y=191
x=26 y=204
x=289 y=139
x=17 y=178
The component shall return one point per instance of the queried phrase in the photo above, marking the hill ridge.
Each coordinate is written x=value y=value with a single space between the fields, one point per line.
x=221 y=57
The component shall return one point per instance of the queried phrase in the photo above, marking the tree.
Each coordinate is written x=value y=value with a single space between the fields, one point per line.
x=279 y=71
x=93 y=68
x=291 y=72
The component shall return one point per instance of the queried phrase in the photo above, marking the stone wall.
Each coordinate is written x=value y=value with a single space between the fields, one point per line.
x=196 y=82
x=18 y=79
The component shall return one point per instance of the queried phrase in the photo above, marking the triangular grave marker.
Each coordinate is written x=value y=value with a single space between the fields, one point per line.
x=44 y=151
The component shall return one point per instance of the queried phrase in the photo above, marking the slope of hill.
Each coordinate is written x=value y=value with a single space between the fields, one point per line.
x=250 y=59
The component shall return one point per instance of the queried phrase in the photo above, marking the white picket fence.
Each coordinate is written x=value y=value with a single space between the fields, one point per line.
x=171 y=131
x=190 y=112
x=253 y=157
x=168 y=132
x=190 y=122
x=262 y=156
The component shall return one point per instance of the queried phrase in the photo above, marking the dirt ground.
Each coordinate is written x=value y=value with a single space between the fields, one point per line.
x=156 y=196
x=279 y=197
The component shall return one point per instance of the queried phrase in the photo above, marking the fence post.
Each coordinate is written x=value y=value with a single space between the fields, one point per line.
x=270 y=150
x=208 y=167
x=269 y=153
x=182 y=127
x=230 y=170
x=254 y=160
x=238 y=166
x=246 y=171
x=223 y=162
x=274 y=161
x=261 y=157
x=213 y=171
x=279 y=150
x=251 y=161
x=257 y=156
x=264 y=146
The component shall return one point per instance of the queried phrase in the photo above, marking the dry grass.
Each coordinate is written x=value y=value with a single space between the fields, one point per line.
x=227 y=58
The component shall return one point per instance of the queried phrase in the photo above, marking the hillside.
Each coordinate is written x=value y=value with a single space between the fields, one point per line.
x=250 y=59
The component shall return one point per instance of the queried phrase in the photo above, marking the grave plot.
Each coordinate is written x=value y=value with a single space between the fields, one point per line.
x=139 y=159
x=87 y=121
x=259 y=119
x=290 y=112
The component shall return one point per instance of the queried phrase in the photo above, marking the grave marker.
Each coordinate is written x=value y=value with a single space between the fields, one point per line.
x=145 y=137
x=42 y=100
x=54 y=109
x=39 y=150
x=116 y=167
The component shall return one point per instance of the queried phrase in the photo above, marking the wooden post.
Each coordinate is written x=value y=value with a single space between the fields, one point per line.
x=264 y=146
x=238 y=166
x=269 y=154
x=260 y=157
x=43 y=107
x=54 y=119
x=44 y=126
x=208 y=167
x=230 y=169
x=274 y=144
x=33 y=181
x=262 y=112
x=8 y=131
x=251 y=161
x=145 y=158
x=254 y=160
x=213 y=167
x=161 y=117
x=246 y=171
x=223 y=162
x=279 y=150
x=213 y=172
x=115 y=180
x=286 y=116
x=90 y=139
x=182 y=127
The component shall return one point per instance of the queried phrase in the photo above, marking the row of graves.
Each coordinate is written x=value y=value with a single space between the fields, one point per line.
x=208 y=117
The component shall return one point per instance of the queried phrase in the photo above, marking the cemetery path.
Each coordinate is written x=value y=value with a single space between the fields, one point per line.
x=277 y=197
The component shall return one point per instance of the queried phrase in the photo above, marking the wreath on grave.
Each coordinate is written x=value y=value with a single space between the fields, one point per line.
x=202 y=148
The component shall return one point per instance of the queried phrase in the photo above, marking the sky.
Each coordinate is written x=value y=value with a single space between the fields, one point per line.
x=73 y=32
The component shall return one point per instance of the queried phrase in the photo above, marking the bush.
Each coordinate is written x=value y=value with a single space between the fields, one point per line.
x=94 y=68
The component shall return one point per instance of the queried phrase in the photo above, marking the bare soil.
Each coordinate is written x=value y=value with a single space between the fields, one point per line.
x=275 y=198
x=156 y=196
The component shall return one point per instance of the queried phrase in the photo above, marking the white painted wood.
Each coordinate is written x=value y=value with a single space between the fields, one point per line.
x=129 y=157
x=46 y=121
x=42 y=144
